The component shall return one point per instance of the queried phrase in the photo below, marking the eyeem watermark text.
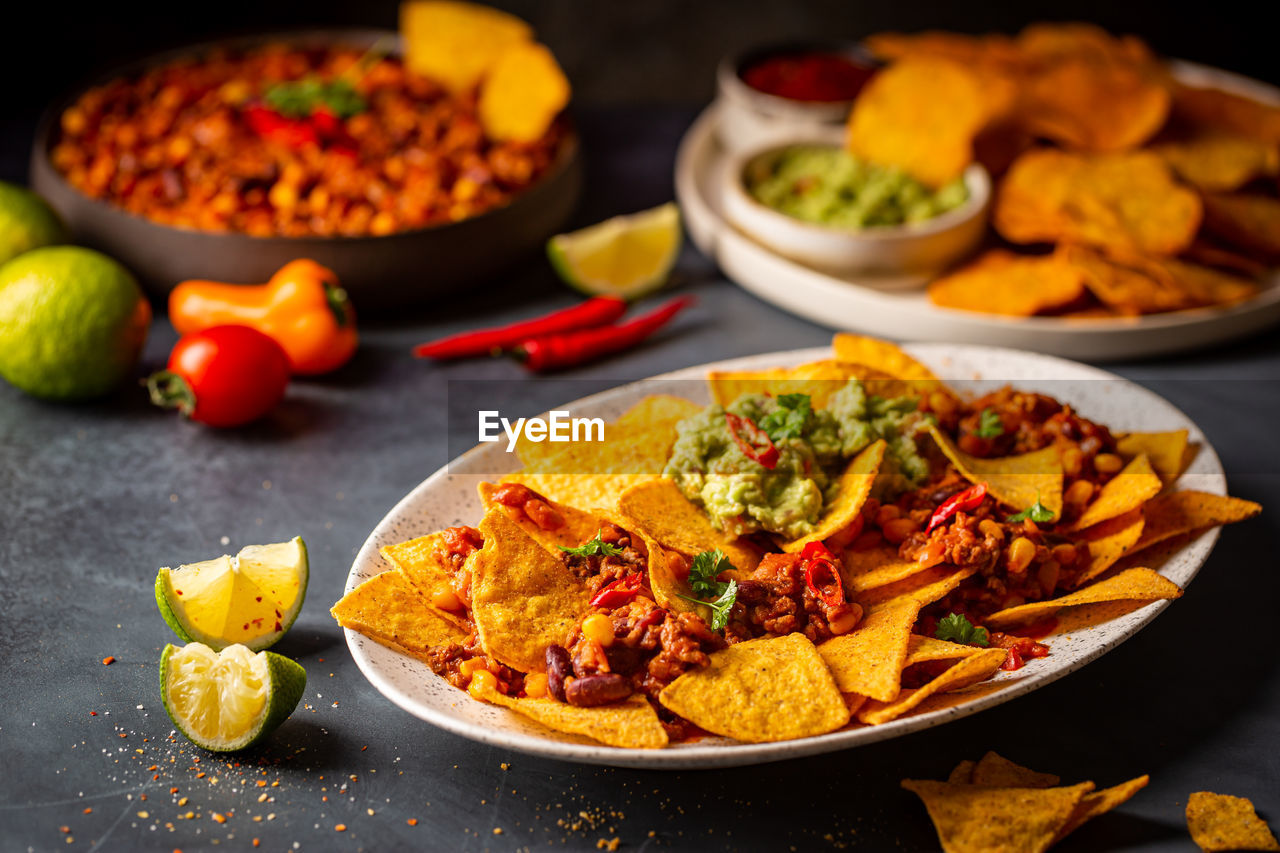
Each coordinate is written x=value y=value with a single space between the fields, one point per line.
x=557 y=427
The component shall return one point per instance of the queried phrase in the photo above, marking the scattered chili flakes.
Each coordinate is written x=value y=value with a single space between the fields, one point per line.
x=88 y=811
x=173 y=790
x=200 y=775
x=93 y=713
x=64 y=829
x=413 y=821
x=342 y=827
x=262 y=783
x=218 y=817
x=497 y=830
x=255 y=842
x=108 y=660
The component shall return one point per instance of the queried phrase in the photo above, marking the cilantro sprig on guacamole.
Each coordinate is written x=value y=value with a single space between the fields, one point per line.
x=787 y=497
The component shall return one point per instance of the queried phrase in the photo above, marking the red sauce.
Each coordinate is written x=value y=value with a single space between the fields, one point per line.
x=808 y=76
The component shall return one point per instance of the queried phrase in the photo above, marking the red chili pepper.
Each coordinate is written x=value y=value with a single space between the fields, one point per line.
x=269 y=124
x=754 y=442
x=557 y=351
x=596 y=311
x=619 y=592
x=964 y=501
x=818 y=561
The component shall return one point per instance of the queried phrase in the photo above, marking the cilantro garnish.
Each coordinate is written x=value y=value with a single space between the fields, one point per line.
x=593 y=548
x=702 y=579
x=989 y=424
x=1037 y=512
x=301 y=98
x=957 y=629
x=790 y=418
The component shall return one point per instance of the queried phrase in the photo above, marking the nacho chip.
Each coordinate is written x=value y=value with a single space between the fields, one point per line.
x=1109 y=541
x=987 y=50
x=1138 y=584
x=962 y=774
x=1127 y=202
x=921 y=114
x=775 y=688
x=1016 y=481
x=843 y=510
x=1209 y=253
x=1249 y=221
x=1003 y=282
x=1058 y=39
x=424 y=562
x=457 y=43
x=638 y=442
x=523 y=598
x=1215 y=161
x=388 y=609
x=631 y=724
x=579 y=525
x=1126 y=290
x=881 y=355
x=876 y=567
x=1164 y=450
x=1227 y=111
x=659 y=509
x=1182 y=512
x=979 y=666
x=1223 y=822
x=595 y=491
x=1100 y=802
x=923 y=588
x=1131 y=488
x=869 y=659
x=1206 y=286
x=996 y=771
x=972 y=819
x=522 y=94
x=658 y=412
x=818 y=379
x=923 y=649
x=1090 y=105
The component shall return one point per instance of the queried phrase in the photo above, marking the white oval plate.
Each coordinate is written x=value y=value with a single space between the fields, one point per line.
x=882 y=306
x=448 y=497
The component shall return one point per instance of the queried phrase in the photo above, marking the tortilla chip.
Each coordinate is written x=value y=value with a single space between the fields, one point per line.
x=996 y=771
x=1220 y=162
x=1205 y=285
x=818 y=379
x=638 y=442
x=522 y=94
x=962 y=774
x=1138 y=584
x=658 y=411
x=922 y=649
x=921 y=114
x=979 y=666
x=1249 y=221
x=869 y=659
x=388 y=609
x=457 y=43
x=1058 y=39
x=1209 y=253
x=1182 y=512
x=1227 y=111
x=1223 y=822
x=959 y=47
x=1109 y=541
x=774 y=688
x=923 y=587
x=424 y=562
x=659 y=509
x=1100 y=802
x=1126 y=290
x=631 y=724
x=972 y=819
x=876 y=567
x=880 y=355
x=579 y=525
x=1164 y=450
x=1003 y=282
x=1128 y=202
x=1136 y=484
x=1016 y=481
x=855 y=485
x=1088 y=105
x=582 y=490
x=523 y=598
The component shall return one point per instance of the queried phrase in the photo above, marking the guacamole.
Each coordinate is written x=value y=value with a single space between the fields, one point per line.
x=743 y=496
x=829 y=186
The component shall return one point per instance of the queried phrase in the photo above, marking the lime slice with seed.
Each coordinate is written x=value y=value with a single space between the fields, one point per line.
x=628 y=256
x=251 y=599
x=228 y=700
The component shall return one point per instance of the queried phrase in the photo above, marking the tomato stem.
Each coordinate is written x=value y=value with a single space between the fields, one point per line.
x=168 y=390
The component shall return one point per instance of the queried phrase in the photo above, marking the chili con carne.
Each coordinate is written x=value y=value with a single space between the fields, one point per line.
x=754 y=442
x=557 y=351
x=596 y=311
x=964 y=501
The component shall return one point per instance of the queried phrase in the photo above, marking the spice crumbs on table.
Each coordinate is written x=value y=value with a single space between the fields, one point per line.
x=108 y=660
x=413 y=821
x=341 y=827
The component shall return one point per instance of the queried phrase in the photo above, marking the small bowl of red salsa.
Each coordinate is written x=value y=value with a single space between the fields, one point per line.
x=775 y=92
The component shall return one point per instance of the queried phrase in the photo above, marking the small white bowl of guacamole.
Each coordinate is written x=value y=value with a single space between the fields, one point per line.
x=814 y=202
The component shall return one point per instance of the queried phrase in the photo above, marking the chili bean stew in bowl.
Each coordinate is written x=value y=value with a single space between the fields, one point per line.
x=227 y=159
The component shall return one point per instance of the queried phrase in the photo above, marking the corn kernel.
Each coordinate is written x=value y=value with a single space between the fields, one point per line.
x=598 y=627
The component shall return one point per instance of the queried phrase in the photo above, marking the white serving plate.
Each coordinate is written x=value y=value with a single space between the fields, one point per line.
x=448 y=497
x=879 y=305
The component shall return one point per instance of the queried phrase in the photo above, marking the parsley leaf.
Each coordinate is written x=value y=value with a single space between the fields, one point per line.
x=721 y=606
x=989 y=424
x=790 y=418
x=957 y=629
x=593 y=548
x=1037 y=512
x=702 y=574
x=301 y=98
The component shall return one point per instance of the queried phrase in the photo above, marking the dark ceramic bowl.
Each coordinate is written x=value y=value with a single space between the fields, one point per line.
x=405 y=269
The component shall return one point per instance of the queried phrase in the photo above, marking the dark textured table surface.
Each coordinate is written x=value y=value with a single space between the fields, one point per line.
x=96 y=497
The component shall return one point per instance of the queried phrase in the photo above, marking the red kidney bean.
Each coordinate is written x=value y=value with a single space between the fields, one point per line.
x=591 y=690
x=559 y=667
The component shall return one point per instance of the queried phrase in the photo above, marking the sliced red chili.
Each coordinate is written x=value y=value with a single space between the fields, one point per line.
x=1013 y=661
x=619 y=592
x=754 y=442
x=964 y=501
x=821 y=575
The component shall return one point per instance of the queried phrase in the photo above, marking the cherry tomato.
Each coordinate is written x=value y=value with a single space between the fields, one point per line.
x=224 y=376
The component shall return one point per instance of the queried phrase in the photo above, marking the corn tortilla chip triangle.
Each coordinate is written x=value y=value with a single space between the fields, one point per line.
x=971 y=819
x=589 y=491
x=1016 y=481
x=995 y=771
x=869 y=659
x=883 y=356
x=1182 y=512
x=855 y=485
x=388 y=609
x=962 y=773
x=1109 y=541
x=1136 y=484
x=923 y=587
x=1223 y=822
x=922 y=649
x=876 y=567
x=977 y=667
x=523 y=598
x=659 y=509
x=1003 y=282
x=774 y=688
x=1164 y=450
x=1100 y=802
x=579 y=525
x=424 y=562
x=638 y=442
x=1137 y=584
x=631 y=724
x=818 y=379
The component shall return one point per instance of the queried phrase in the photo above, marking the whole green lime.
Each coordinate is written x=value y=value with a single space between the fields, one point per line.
x=26 y=222
x=72 y=322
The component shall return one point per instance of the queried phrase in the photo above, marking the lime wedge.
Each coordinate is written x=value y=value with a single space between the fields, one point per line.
x=251 y=599
x=228 y=700
x=628 y=256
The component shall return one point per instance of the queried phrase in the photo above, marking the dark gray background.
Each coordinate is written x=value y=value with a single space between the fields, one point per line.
x=94 y=498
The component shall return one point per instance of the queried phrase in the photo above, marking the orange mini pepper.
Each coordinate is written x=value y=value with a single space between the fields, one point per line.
x=302 y=308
